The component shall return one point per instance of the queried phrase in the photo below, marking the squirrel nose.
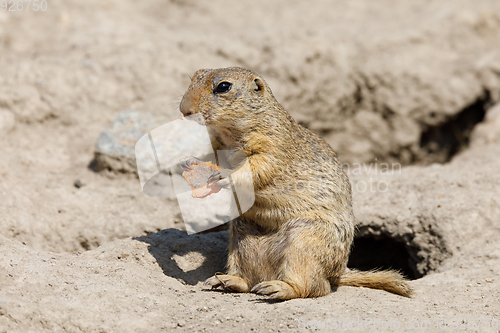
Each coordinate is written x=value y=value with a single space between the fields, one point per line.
x=186 y=108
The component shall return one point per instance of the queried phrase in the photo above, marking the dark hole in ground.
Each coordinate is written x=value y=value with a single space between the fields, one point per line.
x=385 y=253
x=440 y=143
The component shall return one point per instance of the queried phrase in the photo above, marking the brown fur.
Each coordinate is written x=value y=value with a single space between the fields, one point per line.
x=296 y=238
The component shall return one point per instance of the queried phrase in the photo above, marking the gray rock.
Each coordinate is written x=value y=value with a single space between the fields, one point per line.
x=114 y=149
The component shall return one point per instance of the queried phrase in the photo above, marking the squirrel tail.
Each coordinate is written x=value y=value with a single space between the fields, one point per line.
x=388 y=280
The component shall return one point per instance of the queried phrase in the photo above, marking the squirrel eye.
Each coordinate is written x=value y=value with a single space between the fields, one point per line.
x=223 y=87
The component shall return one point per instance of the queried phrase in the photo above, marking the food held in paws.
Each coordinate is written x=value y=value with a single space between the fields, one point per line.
x=197 y=176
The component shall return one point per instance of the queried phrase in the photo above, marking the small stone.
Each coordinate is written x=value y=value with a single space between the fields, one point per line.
x=78 y=183
x=181 y=323
x=115 y=148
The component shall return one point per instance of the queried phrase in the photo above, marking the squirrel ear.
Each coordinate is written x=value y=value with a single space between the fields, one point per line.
x=258 y=84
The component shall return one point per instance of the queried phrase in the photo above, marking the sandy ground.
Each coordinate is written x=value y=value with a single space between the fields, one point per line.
x=413 y=82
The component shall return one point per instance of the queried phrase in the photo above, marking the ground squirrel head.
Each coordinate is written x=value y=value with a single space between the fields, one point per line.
x=234 y=99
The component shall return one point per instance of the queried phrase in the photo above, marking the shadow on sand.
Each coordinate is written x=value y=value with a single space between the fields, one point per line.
x=189 y=258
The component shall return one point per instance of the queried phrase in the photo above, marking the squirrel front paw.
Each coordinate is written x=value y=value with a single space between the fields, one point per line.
x=188 y=162
x=220 y=178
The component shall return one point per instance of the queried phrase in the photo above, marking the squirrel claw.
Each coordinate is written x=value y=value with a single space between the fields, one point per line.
x=187 y=162
x=220 y=179
x=228 y=282
x=275 y=290
x=214 y=177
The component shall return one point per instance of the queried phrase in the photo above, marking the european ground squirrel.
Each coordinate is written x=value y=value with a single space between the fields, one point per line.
x=296 y=238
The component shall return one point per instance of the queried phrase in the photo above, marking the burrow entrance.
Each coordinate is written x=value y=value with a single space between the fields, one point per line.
x=438 y=144
x=384 y=253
